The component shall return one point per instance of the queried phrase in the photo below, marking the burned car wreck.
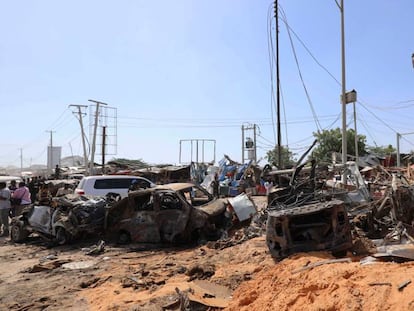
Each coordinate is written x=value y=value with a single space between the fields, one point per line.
x=311 y=227
x=64 y=219
x=306 y=215
x=171 y=213
x=177 y=212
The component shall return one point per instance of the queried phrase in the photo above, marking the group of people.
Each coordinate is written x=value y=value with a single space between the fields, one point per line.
x=13 y=200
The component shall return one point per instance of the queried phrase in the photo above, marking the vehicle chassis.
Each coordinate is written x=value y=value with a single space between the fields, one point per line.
x=312 y=227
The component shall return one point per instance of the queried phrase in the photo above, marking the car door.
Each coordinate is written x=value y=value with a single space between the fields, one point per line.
x=173 y=215
x=141 y=224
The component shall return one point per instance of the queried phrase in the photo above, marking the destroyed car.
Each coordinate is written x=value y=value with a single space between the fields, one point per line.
x=311 y=227
x=66 y=218
x=305 y=215
x=174 y=212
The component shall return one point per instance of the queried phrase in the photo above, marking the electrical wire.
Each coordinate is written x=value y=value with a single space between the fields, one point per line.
x=158 y=124
x=394 y=107
x=318 y=126
x=336 y=80
x=376 y=117
x=364 y=125
x=194 y=120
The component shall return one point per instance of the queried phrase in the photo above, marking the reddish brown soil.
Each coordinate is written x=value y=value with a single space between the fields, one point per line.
x=240 y=277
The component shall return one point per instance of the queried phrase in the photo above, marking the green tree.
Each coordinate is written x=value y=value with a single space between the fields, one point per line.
x=128 y=163
x=381 y=150
x=330 y=141
x=286 y=157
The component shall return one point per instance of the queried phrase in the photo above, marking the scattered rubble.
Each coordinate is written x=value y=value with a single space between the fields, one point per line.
x=247 y=252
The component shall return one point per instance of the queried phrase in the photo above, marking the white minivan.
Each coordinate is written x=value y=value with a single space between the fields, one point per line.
x=101 y=185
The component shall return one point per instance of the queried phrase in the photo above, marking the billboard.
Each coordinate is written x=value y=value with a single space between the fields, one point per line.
x=53 y=156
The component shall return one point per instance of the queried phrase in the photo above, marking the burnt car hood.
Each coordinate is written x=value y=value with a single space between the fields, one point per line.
x=214 y=208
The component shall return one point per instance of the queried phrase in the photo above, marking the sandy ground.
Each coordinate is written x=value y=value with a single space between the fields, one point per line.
x=153 y=277
x=33 y=277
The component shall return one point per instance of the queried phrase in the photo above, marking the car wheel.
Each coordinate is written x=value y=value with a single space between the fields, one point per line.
x=18 y=233
x=62 y=237
x=124 y=237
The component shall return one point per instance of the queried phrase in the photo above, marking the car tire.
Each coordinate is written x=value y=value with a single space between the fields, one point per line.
x=18 y=233
x=124 y=237
x=62 y=237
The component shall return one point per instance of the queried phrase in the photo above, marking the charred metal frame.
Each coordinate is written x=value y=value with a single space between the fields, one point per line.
x=312 y=227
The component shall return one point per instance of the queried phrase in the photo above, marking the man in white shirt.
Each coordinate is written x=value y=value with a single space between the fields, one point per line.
x=4 y=208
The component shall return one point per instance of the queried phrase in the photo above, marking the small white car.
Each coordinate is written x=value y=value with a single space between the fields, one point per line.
x=101 y=185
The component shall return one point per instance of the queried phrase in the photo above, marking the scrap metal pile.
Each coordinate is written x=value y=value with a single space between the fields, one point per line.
x=306 y=216
x=314 y=211
x=388 y=221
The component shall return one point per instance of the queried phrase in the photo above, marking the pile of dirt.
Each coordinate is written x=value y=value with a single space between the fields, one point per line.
x=150 y=280
x=293 y=285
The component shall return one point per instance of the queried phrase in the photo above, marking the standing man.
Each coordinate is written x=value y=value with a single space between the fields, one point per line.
x=57 y=172
x=215 y=184
x=33 y=188
x=22 y=193
x=12 y=186
x=4 y=208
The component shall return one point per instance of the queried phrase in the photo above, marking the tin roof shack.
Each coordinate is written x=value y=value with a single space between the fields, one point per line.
x=235 y=178
x=165 y=174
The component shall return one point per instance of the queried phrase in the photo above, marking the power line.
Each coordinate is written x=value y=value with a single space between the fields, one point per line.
x=376 y=117
x=309 y=52
x=318 y=126
x=393 y=107
x=196 y=120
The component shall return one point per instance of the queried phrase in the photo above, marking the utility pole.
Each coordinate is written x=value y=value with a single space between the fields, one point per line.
x=279 y=135
x=398 y=150
x=21 y=161
x=51 y=151
x=356 y=137
x=85 y=155
x=98 y=103
x=103 y=148
x=71 y=152
x=344 y=142
x=343 y=96
x=399 y=135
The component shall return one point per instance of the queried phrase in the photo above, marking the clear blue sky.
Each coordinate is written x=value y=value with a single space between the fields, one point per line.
x=199 y=70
